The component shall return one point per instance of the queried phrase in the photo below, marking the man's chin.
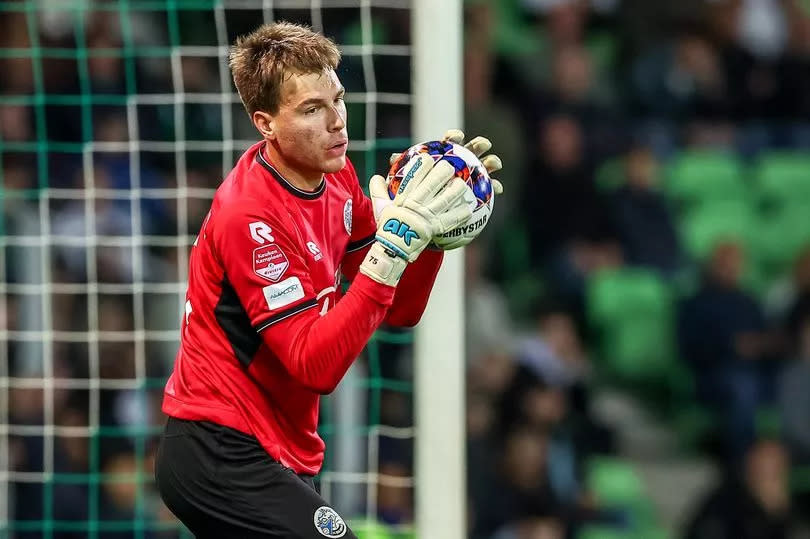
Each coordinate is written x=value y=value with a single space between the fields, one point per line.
x=334 y=164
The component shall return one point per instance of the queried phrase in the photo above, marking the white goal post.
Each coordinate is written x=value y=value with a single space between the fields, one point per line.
x=440 y=461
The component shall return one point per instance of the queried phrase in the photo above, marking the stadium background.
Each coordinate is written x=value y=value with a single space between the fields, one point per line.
x=638 y=335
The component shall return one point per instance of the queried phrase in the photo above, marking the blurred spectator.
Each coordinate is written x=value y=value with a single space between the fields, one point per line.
x=555 y=352
x=486 y=113
x=522 y=489
x=566 y=218
x=537 y=527
x=751 y=34
x=643 y=220
x=723 y=337
x=684 y=78
x=394 y=495
x=799 y=308
x=753 y=505
x=787 y=300
x=556 y=355
x=488 y=327
x=794 y=397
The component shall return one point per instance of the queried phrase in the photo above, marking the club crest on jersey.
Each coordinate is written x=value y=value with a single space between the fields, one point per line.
x=328 y=522
x=347 y=216
x=270 y=262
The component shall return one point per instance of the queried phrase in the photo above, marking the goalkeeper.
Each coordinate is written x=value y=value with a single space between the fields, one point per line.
x=266 y=331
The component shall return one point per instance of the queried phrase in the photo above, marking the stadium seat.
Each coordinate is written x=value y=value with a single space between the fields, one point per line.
x=604 y=532
x=613 y=482
x=603 y=49
x=697 y=178
x=370 y=529
x=779 y=235
x=610 y=175
x=713 y=221
x=782 y=179
x=607 y=532
x=782 y=190
x=632 y=310
x=800 y=479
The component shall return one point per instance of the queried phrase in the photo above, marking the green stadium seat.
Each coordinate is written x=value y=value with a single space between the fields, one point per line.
x=715 y=221
x=800 y=479
x=607 y=532
x=782 y=191
x=632 y=311
x=610 y=175
x=613 y=482
x=782 y=179
x=370 y=529
x=603 y=48
x=780 y=235
x=522 y=286
x=604 y=532
x=695 y=178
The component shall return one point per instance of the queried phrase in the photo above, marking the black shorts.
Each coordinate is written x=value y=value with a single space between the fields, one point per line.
x=222 y=484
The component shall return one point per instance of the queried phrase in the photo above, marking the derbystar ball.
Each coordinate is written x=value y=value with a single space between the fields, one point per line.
x=468 y=169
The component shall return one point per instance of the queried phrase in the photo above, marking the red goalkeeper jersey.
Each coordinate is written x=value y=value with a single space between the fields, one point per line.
x=265 y=330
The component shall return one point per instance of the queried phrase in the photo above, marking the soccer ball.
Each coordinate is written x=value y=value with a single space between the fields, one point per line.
x=469 y=170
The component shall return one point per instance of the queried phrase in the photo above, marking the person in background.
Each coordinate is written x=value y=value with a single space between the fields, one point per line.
x=568 y=225
x=643 y=221
x=723 y=337
x=794 y=398
x=752 y=505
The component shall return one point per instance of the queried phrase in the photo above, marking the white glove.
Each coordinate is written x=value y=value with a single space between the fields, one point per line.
x=427 y=204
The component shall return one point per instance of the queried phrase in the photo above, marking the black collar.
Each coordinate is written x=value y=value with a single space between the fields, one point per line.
x=300 y=193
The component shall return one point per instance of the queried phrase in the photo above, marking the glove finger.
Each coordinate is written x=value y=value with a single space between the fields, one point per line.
x=441 y=173
x=415 y=172
x=492 y=163
x=497 y=187
x=378 y=192
x=453 y=217
x=393 y=158
x=478 y=145
x=461 y=242
x=448 y=197
x=377 y=187
x=454 y=135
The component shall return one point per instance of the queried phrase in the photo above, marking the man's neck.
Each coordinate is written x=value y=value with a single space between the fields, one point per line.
x=302 y=180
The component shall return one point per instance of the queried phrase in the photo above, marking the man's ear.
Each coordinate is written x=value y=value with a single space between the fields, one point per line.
x=265 y=124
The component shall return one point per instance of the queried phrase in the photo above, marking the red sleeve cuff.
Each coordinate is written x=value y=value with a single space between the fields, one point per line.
x=381 y=293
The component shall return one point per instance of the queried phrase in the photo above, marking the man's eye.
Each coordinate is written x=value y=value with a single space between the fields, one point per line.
x=311 y=110
x=338 y=99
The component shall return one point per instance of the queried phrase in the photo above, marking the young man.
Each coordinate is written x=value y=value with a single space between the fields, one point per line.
x=266 y=331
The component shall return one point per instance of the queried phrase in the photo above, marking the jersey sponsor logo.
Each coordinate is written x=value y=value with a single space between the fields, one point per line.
x=347 y=216
x=260 y=232
x=314 y=250
x=328 y=522
x=270 y=262
x=283 y=293
x=398 y=228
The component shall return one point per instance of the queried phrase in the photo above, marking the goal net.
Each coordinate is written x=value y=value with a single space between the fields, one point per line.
x=118 y=120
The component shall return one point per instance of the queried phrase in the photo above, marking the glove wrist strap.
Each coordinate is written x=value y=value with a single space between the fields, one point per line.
x=382 y=265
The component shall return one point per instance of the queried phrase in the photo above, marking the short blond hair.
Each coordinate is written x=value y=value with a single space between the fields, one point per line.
x=260 y=61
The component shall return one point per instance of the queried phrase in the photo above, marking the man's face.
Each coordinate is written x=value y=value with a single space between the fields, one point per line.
x=309 y=129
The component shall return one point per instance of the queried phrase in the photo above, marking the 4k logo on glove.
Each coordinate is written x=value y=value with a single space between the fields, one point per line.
x=400 y=229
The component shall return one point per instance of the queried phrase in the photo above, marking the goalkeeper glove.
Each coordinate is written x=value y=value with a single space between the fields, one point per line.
x=427 y=204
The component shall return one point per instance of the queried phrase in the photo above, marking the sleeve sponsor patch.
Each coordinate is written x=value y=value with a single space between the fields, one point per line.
x=280 y=294
x=270 y=262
